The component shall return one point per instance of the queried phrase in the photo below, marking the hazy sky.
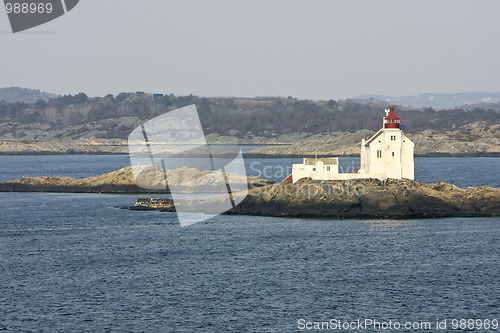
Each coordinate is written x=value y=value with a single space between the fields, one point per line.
x=318 y=49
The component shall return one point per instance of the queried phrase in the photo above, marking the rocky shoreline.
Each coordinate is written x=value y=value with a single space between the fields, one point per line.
x=363 y=198
x=473 y=142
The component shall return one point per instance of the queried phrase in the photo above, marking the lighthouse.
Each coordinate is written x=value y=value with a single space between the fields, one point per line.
x=387 y=154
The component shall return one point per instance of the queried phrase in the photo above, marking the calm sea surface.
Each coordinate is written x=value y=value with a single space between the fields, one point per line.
x=79 y=263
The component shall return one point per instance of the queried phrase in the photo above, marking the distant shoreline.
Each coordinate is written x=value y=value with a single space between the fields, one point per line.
x=253 y=155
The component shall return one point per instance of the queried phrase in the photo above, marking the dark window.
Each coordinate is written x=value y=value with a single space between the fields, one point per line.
x=392 y=153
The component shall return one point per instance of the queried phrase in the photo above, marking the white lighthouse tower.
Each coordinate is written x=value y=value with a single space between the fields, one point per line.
x=388 y=153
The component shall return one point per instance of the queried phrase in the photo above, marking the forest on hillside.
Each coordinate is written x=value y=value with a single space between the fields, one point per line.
x=267 y=116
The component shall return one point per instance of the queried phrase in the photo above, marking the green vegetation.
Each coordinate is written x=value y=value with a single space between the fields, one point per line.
x=239 y=116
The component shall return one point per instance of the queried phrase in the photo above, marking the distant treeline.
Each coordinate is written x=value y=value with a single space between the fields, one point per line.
x=238 y=116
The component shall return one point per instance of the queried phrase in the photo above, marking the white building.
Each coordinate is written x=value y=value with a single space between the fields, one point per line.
x=316 y=168
x=387 y=154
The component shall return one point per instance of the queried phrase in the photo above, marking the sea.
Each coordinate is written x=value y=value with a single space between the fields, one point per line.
x=82 y=263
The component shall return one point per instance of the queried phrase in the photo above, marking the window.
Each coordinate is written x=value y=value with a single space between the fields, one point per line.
x=392 y=153
x=393 y=138
x=314 y=169
x=328 y=168
x=379 y=153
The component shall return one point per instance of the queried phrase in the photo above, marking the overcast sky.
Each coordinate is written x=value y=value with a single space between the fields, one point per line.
x=317 y=49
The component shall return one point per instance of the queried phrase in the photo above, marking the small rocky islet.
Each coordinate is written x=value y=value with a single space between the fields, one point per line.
x=123 y=181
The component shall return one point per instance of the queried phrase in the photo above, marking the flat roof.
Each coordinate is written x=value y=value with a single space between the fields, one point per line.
x=325 y=160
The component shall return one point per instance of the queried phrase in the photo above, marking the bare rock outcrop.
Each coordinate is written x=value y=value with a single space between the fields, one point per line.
x=370 y=198
x=123 y=181
x=484 y=140
x=362 y=198
x=481 y=140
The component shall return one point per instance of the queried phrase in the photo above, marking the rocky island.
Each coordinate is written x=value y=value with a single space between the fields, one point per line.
x=361 y=198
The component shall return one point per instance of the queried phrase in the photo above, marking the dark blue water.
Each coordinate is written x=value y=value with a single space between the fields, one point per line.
x=77 y=263
x=461 y=171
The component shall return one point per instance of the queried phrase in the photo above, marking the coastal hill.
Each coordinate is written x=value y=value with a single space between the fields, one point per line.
x=122 y=181
x=82 y=124
x=24 y=95
x=478 y=141
x=475 y=142
x=362 y=198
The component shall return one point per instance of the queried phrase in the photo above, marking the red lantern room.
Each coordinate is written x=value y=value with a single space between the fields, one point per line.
x=391 y=120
